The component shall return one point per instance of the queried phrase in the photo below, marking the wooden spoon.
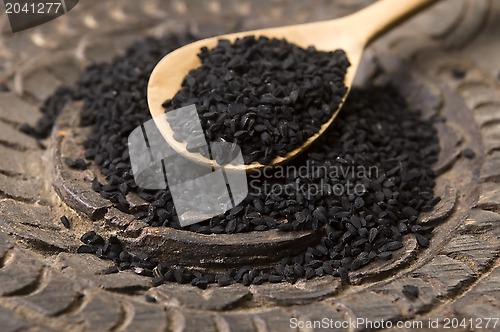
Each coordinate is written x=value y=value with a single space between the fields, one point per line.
x=350 y=33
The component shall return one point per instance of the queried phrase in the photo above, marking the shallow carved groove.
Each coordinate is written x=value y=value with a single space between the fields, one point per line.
x=20 y=275
x=476 y=252
x=56 y=294
x=443 y=209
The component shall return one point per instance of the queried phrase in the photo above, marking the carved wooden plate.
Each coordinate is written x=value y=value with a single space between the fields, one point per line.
x=445 y=62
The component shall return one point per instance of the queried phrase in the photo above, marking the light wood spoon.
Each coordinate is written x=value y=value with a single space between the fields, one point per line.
x=350 y=33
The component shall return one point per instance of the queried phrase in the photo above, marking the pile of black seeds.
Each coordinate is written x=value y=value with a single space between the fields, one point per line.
x=376 y=130
x=266 y=95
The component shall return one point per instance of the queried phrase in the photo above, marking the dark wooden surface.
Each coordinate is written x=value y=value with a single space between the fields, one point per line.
x=46 y=286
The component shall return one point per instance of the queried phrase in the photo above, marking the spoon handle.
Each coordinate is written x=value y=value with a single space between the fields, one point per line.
x=374 y=20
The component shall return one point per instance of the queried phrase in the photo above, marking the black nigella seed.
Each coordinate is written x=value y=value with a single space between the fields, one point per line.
x=356 y=264
x=92 y=238
x=468 y=153
x=142 y=271
x=343 y=273
x=201 y=283
x=70 y=162
x=359 y=203
x=410 y=291
x=258 y=280
x=422 y=240
x=409 y=211
x=86 y=249
x=355 y=221
x=65 y=222
x=394 y=245
x=81 y=164
x=310 y=273
x=150 y=298
x=96 y=186
x=169 y=275
x=372 y=234
x=275 y=278
x=223 y=281
x=157 y=281
x=458 y=73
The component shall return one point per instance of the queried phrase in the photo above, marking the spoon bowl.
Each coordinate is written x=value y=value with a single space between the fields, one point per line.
x=350 y=33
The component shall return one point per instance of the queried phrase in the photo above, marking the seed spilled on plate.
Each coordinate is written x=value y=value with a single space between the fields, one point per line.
x=362 y=184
